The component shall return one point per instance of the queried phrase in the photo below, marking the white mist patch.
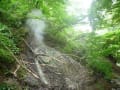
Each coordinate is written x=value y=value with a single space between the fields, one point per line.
x=101 y=32
x=118 y=64
x=36 y=25
x=78 y=7
x=82 y=28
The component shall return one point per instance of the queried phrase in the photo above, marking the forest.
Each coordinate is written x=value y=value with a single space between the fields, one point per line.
x=59 y=45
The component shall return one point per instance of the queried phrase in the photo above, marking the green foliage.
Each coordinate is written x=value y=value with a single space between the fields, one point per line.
x=5 y=56
x=105 y=13
x=21 y=73
x=85 y=46
x=55 y=37
x=4 y=86
x=55 y=13
x=95 y=59
x=90 y=48
x=101 y=66
x=13 y=11
x=100 y=86
x=66 y=39
x=111 y=45
x=6 y=40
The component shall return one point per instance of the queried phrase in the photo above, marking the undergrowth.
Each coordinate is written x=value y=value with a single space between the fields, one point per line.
x=5 y=86
x=85 y=46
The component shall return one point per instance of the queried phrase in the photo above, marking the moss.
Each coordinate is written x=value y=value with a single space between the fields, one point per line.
x=101 y=66
x=5 y=56
x=5 y=86
x=99 y=86
x=21 y=73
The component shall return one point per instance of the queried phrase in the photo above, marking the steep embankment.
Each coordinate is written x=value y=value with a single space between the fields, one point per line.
x=55 y=70
x=61 y=71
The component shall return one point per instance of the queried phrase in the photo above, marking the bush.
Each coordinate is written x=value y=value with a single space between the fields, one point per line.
x=4 y=86
x=6 y=40
x=86 y=46
x=95 y=59
x=5 y=57
x=13 y=11
x=111 y=45
x=101 y=66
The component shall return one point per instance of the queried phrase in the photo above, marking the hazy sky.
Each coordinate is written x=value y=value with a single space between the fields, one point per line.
x=78 y=7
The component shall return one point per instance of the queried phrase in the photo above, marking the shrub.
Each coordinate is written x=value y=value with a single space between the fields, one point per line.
x=5 y=56
x=86 y=46
x=111 y=45
x=6 y=40
x=5 y=86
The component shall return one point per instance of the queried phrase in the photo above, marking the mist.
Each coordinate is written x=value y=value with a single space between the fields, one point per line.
x=36 y=26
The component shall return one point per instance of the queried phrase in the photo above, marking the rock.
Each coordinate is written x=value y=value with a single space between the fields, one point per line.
x=30 y=80
x=13 y=82
x=61 y=71
x=116 y=82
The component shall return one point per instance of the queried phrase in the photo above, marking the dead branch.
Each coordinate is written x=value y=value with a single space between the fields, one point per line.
x=29 y=46
x=15 y=72
x=25 y=62
x=38 y=66
x=39 y=54
x=17 y=60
